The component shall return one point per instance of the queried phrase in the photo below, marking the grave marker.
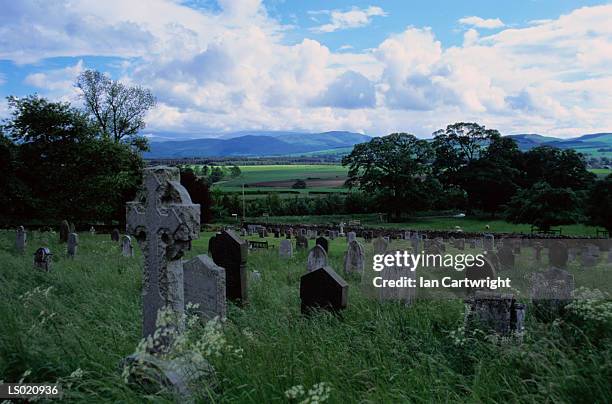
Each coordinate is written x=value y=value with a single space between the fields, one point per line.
x=204 y=285
x=230 y=252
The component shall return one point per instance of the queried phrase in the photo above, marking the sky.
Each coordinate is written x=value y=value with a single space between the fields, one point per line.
x=374 y=67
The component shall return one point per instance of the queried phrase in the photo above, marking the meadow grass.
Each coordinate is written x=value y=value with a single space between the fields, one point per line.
x=86 y=315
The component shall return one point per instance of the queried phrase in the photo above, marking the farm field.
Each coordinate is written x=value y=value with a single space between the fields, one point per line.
x=75 y=324
x=468 y=224
x=601 y=172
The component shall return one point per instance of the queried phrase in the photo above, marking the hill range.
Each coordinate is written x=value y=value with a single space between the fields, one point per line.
x=281 y=143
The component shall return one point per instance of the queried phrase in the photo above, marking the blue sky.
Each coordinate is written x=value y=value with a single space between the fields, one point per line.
x=532 y=66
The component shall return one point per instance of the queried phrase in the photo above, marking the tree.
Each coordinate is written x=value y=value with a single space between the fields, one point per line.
x=392 y=168
x=118 y=109
x=200 y=193
x=599 y=204
x=216 y=174
x=545 y=206
x=299 y=184
x=235 y=171
x=560 y=168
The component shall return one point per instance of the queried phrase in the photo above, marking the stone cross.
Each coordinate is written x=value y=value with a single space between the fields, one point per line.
x=127 y=249
x=21 y=238
x=164 y=221
x=317 y=258
x=73 y=242
x=92 y=230
x=205 y=287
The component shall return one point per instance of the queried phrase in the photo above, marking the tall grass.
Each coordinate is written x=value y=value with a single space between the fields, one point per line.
x=375 y=353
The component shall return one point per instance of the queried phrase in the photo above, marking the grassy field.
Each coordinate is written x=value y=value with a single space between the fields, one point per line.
x=601 y=172
x=75 y=324
x=279 y=178
x=468 y=224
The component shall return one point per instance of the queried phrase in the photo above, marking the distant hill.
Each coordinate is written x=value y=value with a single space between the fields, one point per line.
x=256 y=143
x=595 y=144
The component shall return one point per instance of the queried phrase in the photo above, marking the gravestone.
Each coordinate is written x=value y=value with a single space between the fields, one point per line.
x=21 y=239
x=495 y=312
x=322 y=241
x=557 y=254
x=323 y=289
x=301 y=242
x=285 y=250
x=204 y=285
x=475 y=272
x=396 y=273
x=488 y=242
x=255 y=276
x=317 y=258
x=92 y=231
x=276 y=233
x=115 y=234
x=230 y=252
x=164 y=221
x=354 y=258
x=537 y=247
x=71 y=227
x=415 y=242
x=551 y=291
x=589 y=255
x=243 y=232
x=350 y=236
x=380 y=245
x=64 y=230
x=472 y=244
x=127 y=249
x=72 y=245
x=42 y=259
x=506 y=257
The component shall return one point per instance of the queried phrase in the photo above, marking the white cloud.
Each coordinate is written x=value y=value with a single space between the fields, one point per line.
x=478 y=22
x=354 y=18
x=58 y=83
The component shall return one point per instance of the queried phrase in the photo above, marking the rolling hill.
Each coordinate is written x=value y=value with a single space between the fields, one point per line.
x=595 y=144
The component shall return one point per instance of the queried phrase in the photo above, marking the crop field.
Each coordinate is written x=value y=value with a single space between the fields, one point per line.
x=601 y=172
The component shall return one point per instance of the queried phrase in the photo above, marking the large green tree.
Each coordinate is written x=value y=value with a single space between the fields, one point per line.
x=561 y=168
x=393 y=168
x=599 y=204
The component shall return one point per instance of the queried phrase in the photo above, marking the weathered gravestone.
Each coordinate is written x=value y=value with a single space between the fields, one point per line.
x=589 y=256
x=354 y=258
x=324 y=289
x=164 y=221
x=230 y=252
x=301 y=242
x=42 y=259
x=506 y=256
x=322 y=241
x=380 y=245
x=127 y=249
x=64 y=230
x=475 y=273
x=551 y=291
x=488 y=242
x=317 y=258
x=557 y=254
x=285 y=250
x=72 y=245
x=415 y=242
x=494 y=312
x=396 y=274
x=21 y=238
x=205 y=287
x=115 y=234
x=350 y=236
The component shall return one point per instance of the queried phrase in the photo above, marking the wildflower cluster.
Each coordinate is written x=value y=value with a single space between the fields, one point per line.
x=318 y=393
x=592 y=305
x=35 y=295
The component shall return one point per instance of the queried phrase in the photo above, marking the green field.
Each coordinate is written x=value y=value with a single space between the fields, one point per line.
x=279 y=178
x=601 y=172
x=75 y=324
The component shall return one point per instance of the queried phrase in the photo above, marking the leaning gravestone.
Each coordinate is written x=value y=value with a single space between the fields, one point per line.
x=127 y=249
x=21 y=239
x=354 y=258
x=64 y=230
x=230 y=252
x=380 y=245
x=322 y=241
x=205 y=287
x=115 y=234
x=42 y=259
x=317 y=258
x=551 y=291
x=72 y=245
x=285 y=249
x=164 y=221
x=323 y=289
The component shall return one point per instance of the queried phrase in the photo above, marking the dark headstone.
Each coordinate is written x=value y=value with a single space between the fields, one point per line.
x=115 y=235
x=64 y=230
x=322 y=241
x=42 y=259
x=230 y=252
x=301 y=242
x=324 y=289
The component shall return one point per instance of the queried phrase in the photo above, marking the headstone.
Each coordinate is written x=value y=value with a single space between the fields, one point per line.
x=92 y=231
x=495 y=312
x=276 y=233
x=488 y=242
x=64 y=230
x=71 y=227
x=255 y=276
x=380 y=245
x=322 y=241
x=551 y=291
x=164 y=221
x=72 y=245
x=506 y=257
x=42 y=259
x=475 y=272
x=557 y=254
x=324 y=289
x=243 y=232
x=21 y=239
x=301 y=242
x=289 y=233
x=415 y=242
x=354 y=258
x=127 y=249
x=317 y=258
x=115 y=234
x=396 y=273
x=589 y=255
x=205 y=286
x=285 y=250
x=230 y=252
x=350 y=236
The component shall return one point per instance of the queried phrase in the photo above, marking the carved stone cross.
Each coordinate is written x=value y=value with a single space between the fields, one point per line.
x=164 y=221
